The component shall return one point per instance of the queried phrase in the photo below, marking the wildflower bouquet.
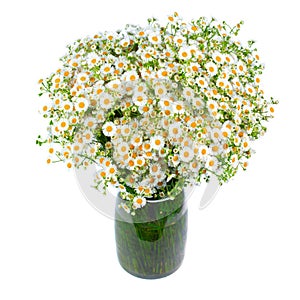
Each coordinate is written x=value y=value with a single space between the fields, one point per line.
x=156 y=107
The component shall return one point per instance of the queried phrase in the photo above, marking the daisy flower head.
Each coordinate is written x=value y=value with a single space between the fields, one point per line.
x=160 y=90
x=126 y=130
x=245 y=144
x=107 y=69
x=241 y=68
x=157 y=142
x=186 y=154
x=218 y=57
x=81 y=104
x=175 y=130
x=109 y=129
x=137 y=140
x=63 y=124
x=139 y=202
x=215 y=148
x=178 y=107
x=139 y=99
x=234 y=160
x=130 y=76
x=154 y=38
x=211 y=163
x=179 y=40
x=140 y=161
x=106 y=101
x=211 y=68
x=188 y=93
x=90 y=122
x=114 y=85
x=198 y=102
x=270 y=109
x=122 y=149
x=155 y=169
x=212 y=105
x=201 y=82
x=250 y=90
x=194 y=166
x=125 y=207
x=203 y=152
x=184 y=53
x=82 y=77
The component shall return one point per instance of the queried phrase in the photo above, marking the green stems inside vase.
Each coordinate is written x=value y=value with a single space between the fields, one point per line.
x=151 y=244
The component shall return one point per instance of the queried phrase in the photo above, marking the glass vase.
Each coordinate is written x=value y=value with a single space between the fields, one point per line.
x=151 y=243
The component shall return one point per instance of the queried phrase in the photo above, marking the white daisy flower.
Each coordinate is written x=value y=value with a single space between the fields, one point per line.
x=125 y=42
x=106 y=101
x=157 y=142
x=228 y=58
x=223 y=83
x=106 y=69
x=175 y=160
x=130 y=76
x=241 y=68
x=234 y=160
x=67 y=106
x=216 y=134
x=245 y=144
x=215 y=148
x=195 y=67
x=160 y=90
x=125 y=130
x=87 y=136
x=139 y=99
x=90 y=122
x=271 y=109
x=188 y=93
x=82 y=78
x=212 y=105
x=123 y=148
x=178 y=107
x=63 y=124
x=186 y=154
x=162 y=73
x=194 y=166
x=218 y=57
x=250 y=90
x=140 y=161
x=109 y=129
x=198 y=102
x=136 y=140
x=114 y=85
x=225 y=132
x=179 y=40
x=139 y=201
x=203 y=152
x=175 y=131
x=57 y=80
x=184 y=53
x=155 y=169
x=211 y=68
x=223 y=106
x=154 y=38
x=211 y=163
x=201 y=81
x=81 y=104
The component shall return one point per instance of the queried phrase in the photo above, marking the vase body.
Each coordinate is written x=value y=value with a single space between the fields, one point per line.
x=151 y=244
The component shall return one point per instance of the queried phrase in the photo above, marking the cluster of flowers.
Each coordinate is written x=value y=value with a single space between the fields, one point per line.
x=157 y=107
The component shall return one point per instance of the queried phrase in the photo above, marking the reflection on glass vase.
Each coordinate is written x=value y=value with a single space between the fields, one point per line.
x=151 y=244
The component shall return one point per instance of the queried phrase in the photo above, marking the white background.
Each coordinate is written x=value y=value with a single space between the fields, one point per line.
x=54 y=245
